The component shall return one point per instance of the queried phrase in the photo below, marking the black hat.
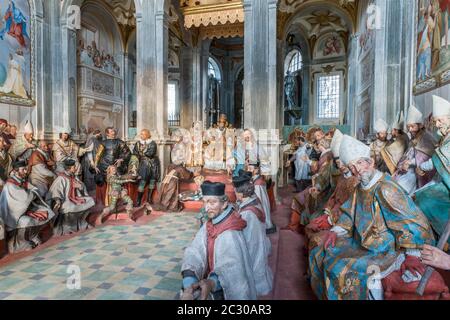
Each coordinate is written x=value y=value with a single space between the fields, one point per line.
x=19 y=164
x=213 y=189
x=68 y=163
x=254 y=163
x=243 y=178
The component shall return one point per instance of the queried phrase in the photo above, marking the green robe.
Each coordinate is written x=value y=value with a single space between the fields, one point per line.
x=435 y=199
x=381 y=223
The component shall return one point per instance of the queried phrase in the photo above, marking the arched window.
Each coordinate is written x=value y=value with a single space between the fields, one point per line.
x=213 y=69
x=173 y=105
x=296 y=62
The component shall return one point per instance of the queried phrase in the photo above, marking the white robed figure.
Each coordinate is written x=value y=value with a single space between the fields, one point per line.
x=258 y=243
x=302 y=164
x=181 y=153
x=70 y=200
x=217 y=262
x=302 y=167
x=197 y=144
x=260 y=185
x=251 y=151
x=14 y=81
x=214 y=155
x=23 y=212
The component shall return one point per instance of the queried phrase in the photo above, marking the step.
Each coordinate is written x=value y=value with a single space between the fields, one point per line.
x=219 y=177
x=121 y=215
x=192 y=206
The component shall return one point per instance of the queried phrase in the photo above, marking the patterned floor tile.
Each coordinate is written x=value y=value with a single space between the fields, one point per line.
x=114 y=295
x=140 y=262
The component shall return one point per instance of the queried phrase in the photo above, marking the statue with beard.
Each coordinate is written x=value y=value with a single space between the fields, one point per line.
x=381 y=128
x=434 y=198
x=380 y=225
x=420 y=149
x=395 y=149
x=309 y=201
x=87 y=162
x=111 y=152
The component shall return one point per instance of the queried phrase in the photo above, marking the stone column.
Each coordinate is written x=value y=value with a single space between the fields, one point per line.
x=188 y=86
x=281 y=54
x=260 y=80
x=125 y=89
x=260 y=51
x=204 y=79
x=42 y=94
x=408 y=76
x=227 y=88
x=392 y=46
x=65 y=77
x=152 y=74
x=152 y=68
x=352 y=83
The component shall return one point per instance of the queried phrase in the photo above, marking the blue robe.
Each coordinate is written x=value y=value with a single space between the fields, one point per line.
x=435 y=199
x=381 y=223
x=18 y=18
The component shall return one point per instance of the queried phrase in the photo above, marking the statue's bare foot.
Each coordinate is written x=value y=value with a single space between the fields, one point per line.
x=130 y=214
x=148 y=209
x=99 y=219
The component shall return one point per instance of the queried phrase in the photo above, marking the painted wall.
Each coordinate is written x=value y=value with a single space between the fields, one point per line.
x=424 y=102
x=17 y=115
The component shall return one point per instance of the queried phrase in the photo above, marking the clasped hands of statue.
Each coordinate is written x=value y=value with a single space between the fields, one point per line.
x=321 y=223
x=118 y=163
x=199 y=290
x=412 y=264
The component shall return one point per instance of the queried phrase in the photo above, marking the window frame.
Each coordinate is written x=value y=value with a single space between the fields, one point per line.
x=315 y=111
x=299 y=62
x=216 y=67
x=176 y=84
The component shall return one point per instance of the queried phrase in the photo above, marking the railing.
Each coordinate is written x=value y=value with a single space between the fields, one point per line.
x=174 y=120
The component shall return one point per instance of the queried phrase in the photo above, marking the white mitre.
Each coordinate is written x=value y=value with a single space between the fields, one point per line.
x=414 y=116
x=381 y=126
x=28 y=128
x=399 y=122
x=65 y=129
x=352 y=150
x=336 y=143
x=441 y=107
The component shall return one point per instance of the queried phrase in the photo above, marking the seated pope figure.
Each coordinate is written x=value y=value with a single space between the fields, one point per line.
x=23 y=211
x=380 y=231
x=70 y=200
x=217 y=262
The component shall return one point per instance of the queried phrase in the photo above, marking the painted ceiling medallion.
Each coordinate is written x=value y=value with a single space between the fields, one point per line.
x=298 y=6
x=321 y=21
x=124 y=11
x=291 y=6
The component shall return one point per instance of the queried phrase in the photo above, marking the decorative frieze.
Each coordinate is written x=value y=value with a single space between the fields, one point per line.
x=213 y=14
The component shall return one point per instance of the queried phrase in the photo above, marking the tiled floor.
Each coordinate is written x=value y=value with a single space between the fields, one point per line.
x=116 y=262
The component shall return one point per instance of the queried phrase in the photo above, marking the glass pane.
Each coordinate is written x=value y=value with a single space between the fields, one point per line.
x=328 y=98
x=173 y=110
x=296 y=63
x=213 y=69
